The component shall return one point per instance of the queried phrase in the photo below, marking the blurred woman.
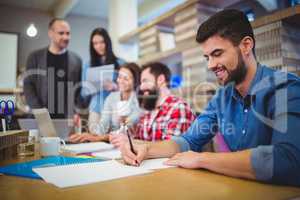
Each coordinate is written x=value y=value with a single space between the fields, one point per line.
x=119 y=104
x=101 y=54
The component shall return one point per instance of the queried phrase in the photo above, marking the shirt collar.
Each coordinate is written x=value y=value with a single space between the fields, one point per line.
x=59 y=53
x=162 y=101
x=236 y=95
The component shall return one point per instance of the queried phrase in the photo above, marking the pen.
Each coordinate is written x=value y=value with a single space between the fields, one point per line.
x=130 y=143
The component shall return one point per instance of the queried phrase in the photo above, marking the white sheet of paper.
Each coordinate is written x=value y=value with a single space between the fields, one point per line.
x=109 y=154
x=96 y=76
x=86 y=173
x=153 y=164
x=87 y=147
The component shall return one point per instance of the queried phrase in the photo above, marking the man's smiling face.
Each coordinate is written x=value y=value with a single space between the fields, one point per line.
x=224 y=59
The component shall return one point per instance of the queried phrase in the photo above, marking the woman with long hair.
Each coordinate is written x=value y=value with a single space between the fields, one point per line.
x=101 y=53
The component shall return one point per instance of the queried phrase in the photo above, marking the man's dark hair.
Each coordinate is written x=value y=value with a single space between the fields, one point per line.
x=53 y=21
x=230 y=24
x=157 y=69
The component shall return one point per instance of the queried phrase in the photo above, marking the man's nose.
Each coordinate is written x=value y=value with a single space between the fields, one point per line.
x=211 y=64
x=142 y=86
x=66 y=36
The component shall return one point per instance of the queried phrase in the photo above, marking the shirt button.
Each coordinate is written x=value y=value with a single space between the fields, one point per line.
x=244 y=131
x=246 y=110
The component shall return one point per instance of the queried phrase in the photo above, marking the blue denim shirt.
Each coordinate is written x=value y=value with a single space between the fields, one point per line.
x=266 y=121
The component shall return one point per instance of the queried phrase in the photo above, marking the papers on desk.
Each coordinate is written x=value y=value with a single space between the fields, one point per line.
x=153 y=164
x=108 y=154
x=80 y=174
x=150 y=164
x=87 y=147
x=86 y=173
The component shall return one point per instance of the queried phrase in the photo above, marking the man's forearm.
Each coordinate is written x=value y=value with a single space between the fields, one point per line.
x=235 y=164
x=162 y=149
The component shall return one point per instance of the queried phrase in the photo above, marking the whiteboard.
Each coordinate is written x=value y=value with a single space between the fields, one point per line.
x=8 y=59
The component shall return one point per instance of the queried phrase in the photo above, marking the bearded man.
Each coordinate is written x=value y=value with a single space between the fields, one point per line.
x=165 y=115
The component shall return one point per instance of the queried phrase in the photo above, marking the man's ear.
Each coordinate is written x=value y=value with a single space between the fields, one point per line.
x=246 y=45
x=50 y=33
x=161 y=80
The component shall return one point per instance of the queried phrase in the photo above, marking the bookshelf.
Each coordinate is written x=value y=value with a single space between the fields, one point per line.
x=291 y=14
x=276 y=39
x=167 y=18
x=8 y=91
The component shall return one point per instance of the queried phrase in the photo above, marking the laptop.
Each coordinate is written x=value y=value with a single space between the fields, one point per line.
x=47 y=127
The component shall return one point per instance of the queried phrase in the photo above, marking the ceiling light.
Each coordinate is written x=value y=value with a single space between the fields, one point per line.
x=31 y=30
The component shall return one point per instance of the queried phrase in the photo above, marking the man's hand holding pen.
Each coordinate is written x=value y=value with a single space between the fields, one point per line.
x=134 y=158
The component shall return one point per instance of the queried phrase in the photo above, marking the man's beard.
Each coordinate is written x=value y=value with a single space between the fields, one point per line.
x=148 y=98
x=239 y=74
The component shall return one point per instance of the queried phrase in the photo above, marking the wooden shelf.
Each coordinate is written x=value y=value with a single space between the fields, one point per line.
x=163 y=55
x=277 y=16
x=290 y=14
x=6 y=91
x=156 y=21
x=165 y=18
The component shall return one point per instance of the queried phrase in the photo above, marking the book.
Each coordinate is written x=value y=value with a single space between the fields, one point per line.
x=166 y=41
x=148 y=32
x=87 y=173
x=148 y=42
x=25 y=169
x=87 y=147
x=109 y=154
x=9 y=142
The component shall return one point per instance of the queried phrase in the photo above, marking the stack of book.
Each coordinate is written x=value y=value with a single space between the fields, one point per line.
x=155 y=39
x=148 y=41
x=278 y=46
x=188 y=20
x=194 y=65
x=9 y=141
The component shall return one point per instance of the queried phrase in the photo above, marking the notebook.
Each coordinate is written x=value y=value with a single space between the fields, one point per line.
x=25 y=169
x=153 y=164
x=87 y=173
x=109 y=154
x=87 y=147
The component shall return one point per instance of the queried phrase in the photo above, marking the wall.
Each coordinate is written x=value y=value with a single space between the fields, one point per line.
x=258 y=9
x=149 y=9
x=13 y=19
x=81 y=28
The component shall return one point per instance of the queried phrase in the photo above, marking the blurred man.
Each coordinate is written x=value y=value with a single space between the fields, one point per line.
x=165 y=115
x=53 y=73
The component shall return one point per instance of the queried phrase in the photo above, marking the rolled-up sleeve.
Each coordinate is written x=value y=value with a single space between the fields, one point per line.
x=182 y=143
x=200 y=132
x=262 y=160
x=286 y=150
